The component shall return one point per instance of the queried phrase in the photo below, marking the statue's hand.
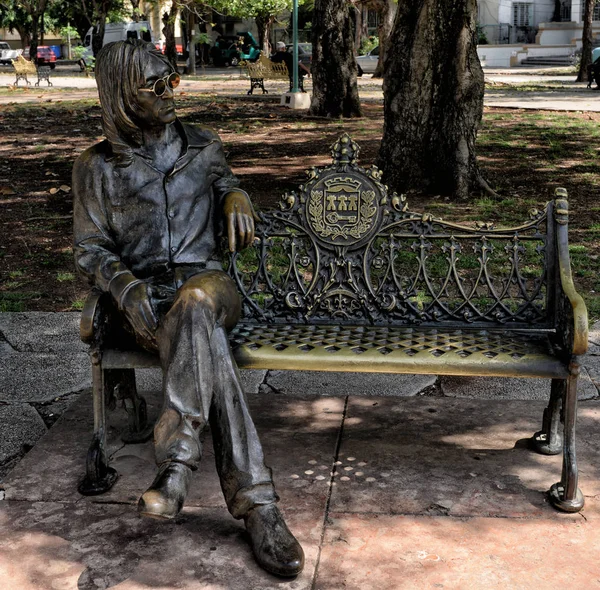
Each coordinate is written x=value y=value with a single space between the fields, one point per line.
x=136 y=306
x=240 y=217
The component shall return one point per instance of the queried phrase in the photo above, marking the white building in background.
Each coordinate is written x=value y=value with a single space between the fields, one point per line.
x=511 y=31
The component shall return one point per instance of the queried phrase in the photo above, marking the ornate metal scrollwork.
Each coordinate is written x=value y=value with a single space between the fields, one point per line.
x=340 y=250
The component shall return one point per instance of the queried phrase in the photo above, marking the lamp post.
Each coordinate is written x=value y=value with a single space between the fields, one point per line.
x=295 y=46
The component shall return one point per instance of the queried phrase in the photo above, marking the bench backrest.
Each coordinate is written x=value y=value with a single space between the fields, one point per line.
x=23 y=66
x=263 y=67
x=341 y=250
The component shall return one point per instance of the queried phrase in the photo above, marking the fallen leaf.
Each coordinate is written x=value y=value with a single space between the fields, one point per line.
x=65 y=188
x=6 y=190
x=53 y=191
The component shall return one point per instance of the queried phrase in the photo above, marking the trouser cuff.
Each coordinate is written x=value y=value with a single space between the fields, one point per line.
x=250 y=497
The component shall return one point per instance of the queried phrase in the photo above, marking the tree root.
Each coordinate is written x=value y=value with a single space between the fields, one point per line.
x=482 y=184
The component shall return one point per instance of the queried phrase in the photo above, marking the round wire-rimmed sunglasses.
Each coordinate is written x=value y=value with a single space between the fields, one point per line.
x=160 y=86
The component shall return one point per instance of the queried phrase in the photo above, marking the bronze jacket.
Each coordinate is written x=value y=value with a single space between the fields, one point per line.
x=140 y=219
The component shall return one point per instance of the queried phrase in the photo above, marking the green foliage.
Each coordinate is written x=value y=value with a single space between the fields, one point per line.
x=13 y=17
x=201 y=38
x=69 y=32
x=481 y=36
x=252 y=8
x=367 y=44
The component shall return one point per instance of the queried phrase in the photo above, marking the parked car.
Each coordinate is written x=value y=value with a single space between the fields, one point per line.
x=368 y=62
x=229 y=50
x=304 y=53
x=178 y=48
x=45 y=56
x=6 y=53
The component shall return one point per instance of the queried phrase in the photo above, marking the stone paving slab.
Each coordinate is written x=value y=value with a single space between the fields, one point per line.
x=51 y=545
x=39 y=377
x=299 y=439
x=42 y=331
x=381 y=552
x=336 y=384
x=20 y=426
x=424 y=476
x=458 y=457
x=511 y=388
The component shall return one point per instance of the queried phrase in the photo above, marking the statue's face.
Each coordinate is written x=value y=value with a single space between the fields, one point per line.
x=153 y=110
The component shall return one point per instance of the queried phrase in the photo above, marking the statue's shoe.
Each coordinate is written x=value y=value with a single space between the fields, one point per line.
x=275 y=548
x=165 y=497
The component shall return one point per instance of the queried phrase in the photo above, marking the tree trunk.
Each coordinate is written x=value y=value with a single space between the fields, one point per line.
x=357 y=25
x=191 y=60
x=586 y=49
x=335 y=91
x=433 y=99
x=135 y=10
x=25 y=37
x=34 y=38
x=385 y=28
x=98 y=37
x=168 y=20
x=263 y=24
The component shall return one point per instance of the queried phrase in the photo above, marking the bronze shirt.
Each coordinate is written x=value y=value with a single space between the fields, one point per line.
x=143 y=220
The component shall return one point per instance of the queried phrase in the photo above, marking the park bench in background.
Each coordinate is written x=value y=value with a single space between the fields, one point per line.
x=264 y=69
x=24 y=68
x=343 y=277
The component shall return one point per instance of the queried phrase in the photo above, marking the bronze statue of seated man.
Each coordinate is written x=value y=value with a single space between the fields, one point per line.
x=149 y=204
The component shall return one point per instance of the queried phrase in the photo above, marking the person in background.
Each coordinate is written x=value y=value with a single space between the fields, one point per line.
x=282 y=55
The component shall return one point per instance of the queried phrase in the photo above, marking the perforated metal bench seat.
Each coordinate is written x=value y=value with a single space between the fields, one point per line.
x=381 y=350
x=395 y=350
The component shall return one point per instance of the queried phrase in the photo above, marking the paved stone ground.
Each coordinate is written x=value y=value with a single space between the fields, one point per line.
x=383 y=493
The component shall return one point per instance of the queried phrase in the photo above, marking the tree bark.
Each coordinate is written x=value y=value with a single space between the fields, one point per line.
x=385 y=28
x=135 y=10
x=586 y=49
x=168 y=19
x=34 y=38
x=357 y=24
x=263 y=24
x=433 y=99
x=98 y=37
x=335 y=91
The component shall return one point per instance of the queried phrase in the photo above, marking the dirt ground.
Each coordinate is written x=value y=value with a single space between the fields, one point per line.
x=524 y=155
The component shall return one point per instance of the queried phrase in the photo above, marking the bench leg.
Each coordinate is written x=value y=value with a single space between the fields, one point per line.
x=99 y=477
x=565 y=495
x=549 y=440
x=123 y=382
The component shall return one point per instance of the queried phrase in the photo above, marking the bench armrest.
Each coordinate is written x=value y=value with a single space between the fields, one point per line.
x=88 y=325
x=572 y=311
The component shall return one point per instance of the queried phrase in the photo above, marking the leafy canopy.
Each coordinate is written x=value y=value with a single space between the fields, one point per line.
x=252 y=8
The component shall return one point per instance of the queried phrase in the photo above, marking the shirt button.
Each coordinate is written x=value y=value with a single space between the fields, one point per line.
x=173 y=248
x=171 y=214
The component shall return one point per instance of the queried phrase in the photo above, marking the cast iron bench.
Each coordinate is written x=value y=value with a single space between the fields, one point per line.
x=24 y=68
x=343 y=277
x=264 y=69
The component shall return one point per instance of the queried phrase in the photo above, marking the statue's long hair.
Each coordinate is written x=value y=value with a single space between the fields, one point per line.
x=120 y=73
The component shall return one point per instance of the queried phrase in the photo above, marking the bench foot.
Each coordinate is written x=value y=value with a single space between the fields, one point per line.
x=139 y=431
x=122 y=384
x=99 y=477
x=540 y=444
x=557 y=499
x=549 y=441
